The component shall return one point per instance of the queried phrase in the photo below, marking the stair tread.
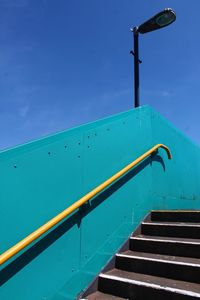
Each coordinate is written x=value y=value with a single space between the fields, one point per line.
x=161 y=257
x=176 y=211
x=101 y=296
x=189 y=216
x=153 y=281
x=164 y=238
x=167 y=223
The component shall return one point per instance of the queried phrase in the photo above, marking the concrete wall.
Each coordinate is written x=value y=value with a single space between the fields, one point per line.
x=40 y=179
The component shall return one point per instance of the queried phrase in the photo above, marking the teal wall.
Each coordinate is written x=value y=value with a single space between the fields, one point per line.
x=181 y=189
x=41 y=178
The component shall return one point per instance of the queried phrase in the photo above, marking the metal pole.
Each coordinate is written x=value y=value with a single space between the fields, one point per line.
x=136 y=68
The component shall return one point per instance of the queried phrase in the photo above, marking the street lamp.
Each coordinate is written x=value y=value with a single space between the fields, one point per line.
x=160 y=20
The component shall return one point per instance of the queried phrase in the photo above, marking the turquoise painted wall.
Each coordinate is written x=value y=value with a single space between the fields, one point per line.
x=182 y=185
x=41 y=178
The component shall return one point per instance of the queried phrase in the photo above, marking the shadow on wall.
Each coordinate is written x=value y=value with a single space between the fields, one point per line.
x=18 y=264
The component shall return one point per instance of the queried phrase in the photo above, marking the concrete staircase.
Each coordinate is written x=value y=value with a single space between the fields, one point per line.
x=161 y=260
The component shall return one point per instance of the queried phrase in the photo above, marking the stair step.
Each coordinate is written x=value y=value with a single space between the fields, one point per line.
x=176 y=216
x=136 y=286
x=165 y=245
x=163 y=266
x=182 y=230
x=101 y=296
x=171 y=258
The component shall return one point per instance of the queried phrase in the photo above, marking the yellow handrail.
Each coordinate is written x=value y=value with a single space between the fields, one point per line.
x=47 y=226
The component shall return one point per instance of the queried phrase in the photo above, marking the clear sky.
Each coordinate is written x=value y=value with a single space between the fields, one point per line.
x=67 y=62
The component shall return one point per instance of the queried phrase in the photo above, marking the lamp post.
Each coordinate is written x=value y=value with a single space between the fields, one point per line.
x=160 y=20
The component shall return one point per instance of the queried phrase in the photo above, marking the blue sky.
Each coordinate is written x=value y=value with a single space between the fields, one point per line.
x=67 y=62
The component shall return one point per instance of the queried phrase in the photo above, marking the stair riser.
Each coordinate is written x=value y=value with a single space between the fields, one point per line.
x=193 y=217
x=191 y=232
x=157 y=268
x=132 y=291
x=174 y=249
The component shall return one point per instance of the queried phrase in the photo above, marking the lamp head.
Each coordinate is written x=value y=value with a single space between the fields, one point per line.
x=160 y=20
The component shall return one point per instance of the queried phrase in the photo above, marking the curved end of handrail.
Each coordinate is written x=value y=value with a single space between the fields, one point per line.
x=169 y=155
